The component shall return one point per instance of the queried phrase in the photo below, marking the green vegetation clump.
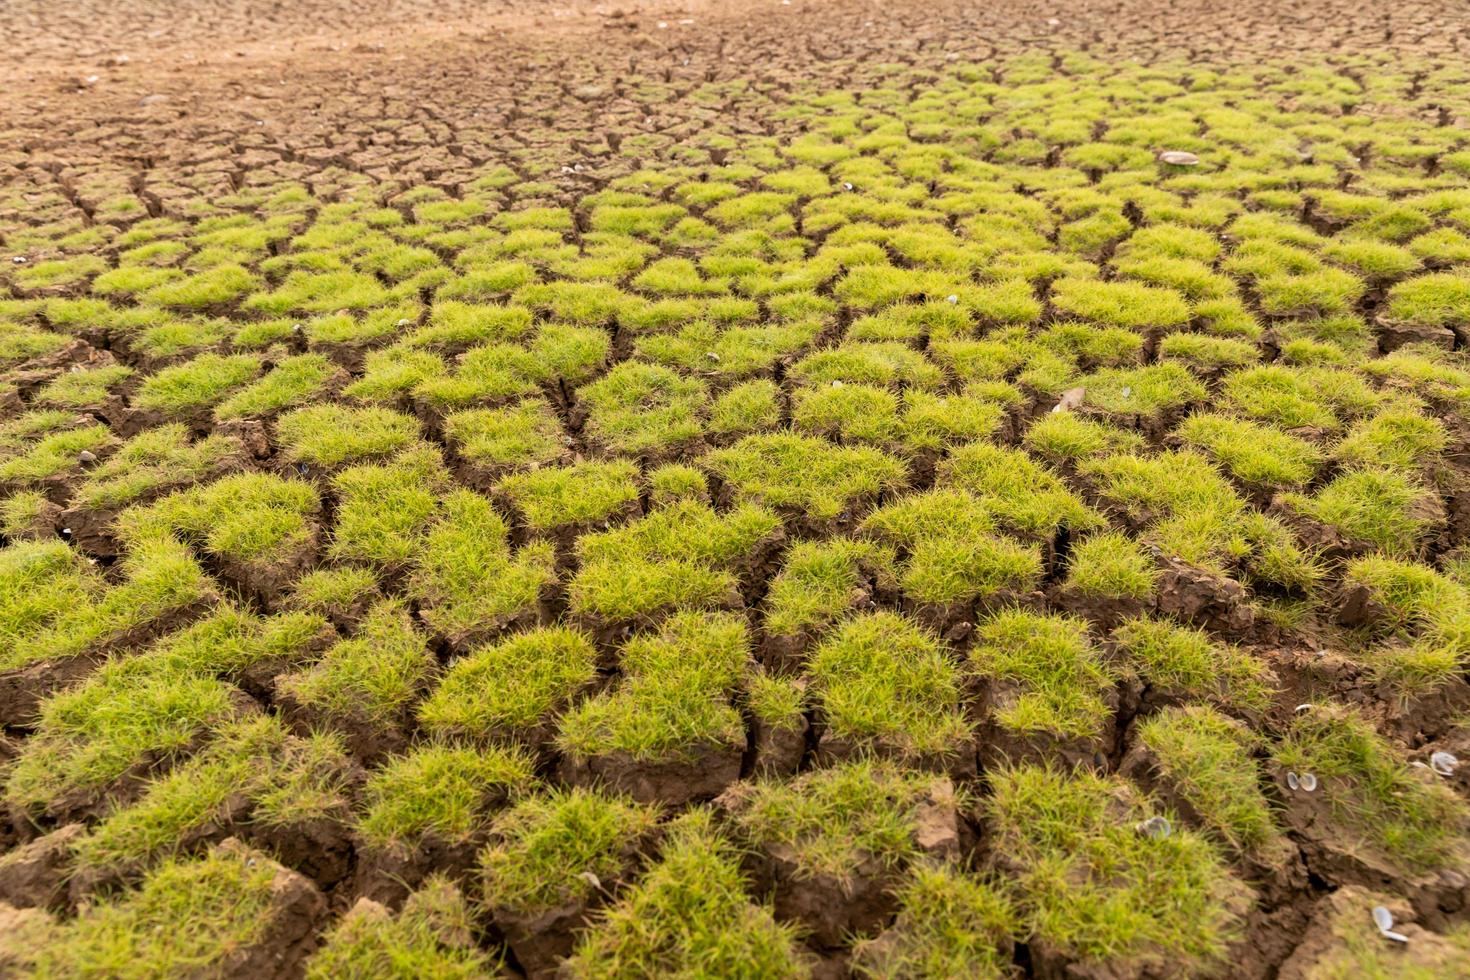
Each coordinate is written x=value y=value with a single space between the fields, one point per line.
x=468 y=583
x=689 y=914
x=684 y=556
x=1382 y=509
x=433 y=935
x=195 y=385
x=581 y=495
x=1184 y=663
x=953 y=553
x=160 y=580
x=1093 y=888
x=41 y=582
x=523 y=436
x=805 y=476
x=330 y=435
x=1044 y=675
x=1111 y=566
x=950 y=923
x=207 y=914
x=674 y=698
x=1252 y=453
x=1376 y=805
x=439 y=793
x=832 y=822
x=365 y=685
x=821 y=582
x=511 y=689
x=1025 y=496
x=565 y=847
x=1420 y=637
x=1206 y=759
x=884 y=684
x=153 y=462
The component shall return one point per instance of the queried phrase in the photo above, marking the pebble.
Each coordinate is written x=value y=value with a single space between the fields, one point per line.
x=1178 y=158
x=86 y=456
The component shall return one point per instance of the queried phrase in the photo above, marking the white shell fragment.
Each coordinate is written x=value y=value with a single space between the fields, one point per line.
x=1178 y=158
x=1306 y=782
x=1157 y=828
x=18 y=259
x=1127 y=391
x=1443 y=763
x=847 y=185
x=1302 y=707
x=1383 y=919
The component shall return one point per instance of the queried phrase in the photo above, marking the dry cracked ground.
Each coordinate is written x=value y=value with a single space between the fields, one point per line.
x=740 y=489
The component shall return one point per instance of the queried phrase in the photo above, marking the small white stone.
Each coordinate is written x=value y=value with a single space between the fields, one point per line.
x=1178 y=158
x=951 y=298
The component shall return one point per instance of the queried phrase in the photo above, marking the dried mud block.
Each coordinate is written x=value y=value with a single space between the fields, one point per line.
x=34 y=875
x=832 y=900
x=1344 y=940
x=699 y=773
x=1197 y=596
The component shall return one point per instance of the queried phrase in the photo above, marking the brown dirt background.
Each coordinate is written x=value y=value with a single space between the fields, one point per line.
x=189 y=96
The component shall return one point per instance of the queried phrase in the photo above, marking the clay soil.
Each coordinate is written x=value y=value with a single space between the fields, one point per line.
x=177 y=100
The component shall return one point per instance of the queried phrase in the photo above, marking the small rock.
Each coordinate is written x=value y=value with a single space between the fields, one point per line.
x=951 y=298
x=19 y=260
x=1178 y=158
x=1443 y=763
x=86 y=456
x=1156 y=828
x=1071 y=399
